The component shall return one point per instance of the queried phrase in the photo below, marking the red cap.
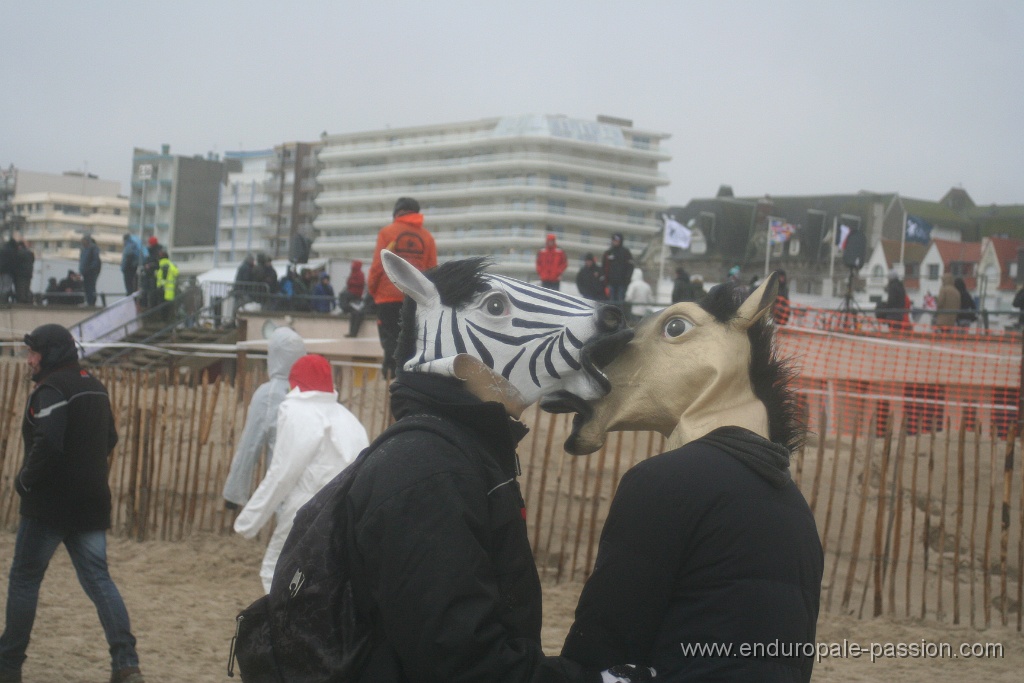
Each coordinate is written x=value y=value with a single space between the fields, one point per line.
x=153 y=240
x=312 y=372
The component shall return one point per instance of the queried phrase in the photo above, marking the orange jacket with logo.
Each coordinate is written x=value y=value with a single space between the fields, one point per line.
x=409 y=239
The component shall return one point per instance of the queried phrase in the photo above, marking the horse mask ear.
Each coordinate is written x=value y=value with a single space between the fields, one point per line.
x=758 y=303
x=410 y=281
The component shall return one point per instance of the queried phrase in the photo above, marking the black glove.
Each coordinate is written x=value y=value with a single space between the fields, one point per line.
x=628 y=673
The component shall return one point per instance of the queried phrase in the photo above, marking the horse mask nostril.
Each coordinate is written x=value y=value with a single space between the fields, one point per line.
x=610 y=319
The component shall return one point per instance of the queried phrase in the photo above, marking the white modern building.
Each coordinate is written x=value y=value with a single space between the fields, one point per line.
x=243 y=225
x=495 y=187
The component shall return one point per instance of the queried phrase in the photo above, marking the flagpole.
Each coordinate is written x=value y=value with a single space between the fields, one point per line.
x=661 y=266
x=768 y=246
x=832 y=257
x=903 y=243
x=661 y=269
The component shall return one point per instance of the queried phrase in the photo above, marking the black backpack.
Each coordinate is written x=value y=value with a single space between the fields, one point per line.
x=313 y=627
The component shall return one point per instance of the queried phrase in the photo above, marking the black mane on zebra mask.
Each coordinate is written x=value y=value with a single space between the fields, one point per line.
x=516 y=342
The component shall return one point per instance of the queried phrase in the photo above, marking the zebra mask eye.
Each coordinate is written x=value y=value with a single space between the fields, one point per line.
x=496 y=305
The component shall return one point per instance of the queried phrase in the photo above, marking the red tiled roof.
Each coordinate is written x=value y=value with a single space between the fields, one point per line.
x=1006 y=252
x=913 y=252
x=963 y=252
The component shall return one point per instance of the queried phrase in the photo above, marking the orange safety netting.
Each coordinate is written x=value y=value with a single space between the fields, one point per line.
x=856 y=371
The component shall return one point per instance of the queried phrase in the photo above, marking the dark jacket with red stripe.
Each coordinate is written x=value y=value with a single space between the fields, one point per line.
x=441 y=550
x=68 y=431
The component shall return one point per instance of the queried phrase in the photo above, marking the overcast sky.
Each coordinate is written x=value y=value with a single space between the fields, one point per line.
x=779 y=97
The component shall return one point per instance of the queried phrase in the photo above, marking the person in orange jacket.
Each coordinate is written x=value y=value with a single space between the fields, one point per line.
x=406 y=237
x=551 y=263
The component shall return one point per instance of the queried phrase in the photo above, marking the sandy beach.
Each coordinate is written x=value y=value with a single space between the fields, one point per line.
x=183 y=597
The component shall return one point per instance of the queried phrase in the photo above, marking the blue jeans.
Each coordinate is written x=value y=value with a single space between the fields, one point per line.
x=617 y=294
x=34 y=545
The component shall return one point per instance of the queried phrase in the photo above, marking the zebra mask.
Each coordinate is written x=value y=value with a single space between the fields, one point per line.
x=510 y=341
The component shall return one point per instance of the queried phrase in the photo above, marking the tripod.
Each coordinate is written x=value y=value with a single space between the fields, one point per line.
x=849 y=310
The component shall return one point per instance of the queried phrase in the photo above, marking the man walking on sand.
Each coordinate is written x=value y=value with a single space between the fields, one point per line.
x=68 y=431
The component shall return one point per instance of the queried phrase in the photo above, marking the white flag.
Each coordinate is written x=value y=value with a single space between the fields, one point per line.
x=676 y=235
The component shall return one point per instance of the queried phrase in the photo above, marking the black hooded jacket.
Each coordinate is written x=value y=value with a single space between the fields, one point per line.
x=441 y=547
x=710 y=544
x=68 y=430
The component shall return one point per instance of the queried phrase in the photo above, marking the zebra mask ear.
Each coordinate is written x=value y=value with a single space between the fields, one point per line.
x=410 y=281
x=759 y=302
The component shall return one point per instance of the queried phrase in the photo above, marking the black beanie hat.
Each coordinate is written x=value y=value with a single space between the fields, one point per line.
x=406 y=205
x=54 y=343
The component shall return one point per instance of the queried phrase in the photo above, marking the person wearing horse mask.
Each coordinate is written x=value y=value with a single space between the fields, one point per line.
x=709 y=567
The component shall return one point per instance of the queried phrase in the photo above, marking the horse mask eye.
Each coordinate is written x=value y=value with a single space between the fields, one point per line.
x=677 y=327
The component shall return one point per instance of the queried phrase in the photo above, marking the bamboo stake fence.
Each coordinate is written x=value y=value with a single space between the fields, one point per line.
x=928 y=523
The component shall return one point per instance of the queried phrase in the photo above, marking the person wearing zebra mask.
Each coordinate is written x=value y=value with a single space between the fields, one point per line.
x=432 y=519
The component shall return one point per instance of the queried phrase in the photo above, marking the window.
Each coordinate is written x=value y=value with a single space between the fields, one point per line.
x=559 y=180
x=877 y=271
x=637 y=192
x=635 y=216
x=1013 y=270
x=961 y=269
x=913 y=270
x=698 y=245
x=933 y=271
x=556 y=206
x=588 y=185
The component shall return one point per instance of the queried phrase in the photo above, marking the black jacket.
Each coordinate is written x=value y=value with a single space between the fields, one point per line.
x=68 y=431
x=618 y=265
x=440 y=544
x=706 y=544
x=590 y=282
x=23 y=269
x=9 y=257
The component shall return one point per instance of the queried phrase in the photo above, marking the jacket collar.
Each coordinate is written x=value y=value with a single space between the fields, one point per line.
x=488 y=422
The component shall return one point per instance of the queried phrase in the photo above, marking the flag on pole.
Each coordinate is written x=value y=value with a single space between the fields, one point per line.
x=779 y=231
x=844 y=232
x=676 y=235
x=918 y=230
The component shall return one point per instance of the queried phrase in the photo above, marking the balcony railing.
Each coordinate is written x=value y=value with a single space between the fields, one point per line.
x=538 y=159
x=519 y=213
x=452 y=239
x=494 y=186
x=439 y=140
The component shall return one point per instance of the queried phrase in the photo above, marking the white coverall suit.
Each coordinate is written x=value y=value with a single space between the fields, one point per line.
x=317 y=438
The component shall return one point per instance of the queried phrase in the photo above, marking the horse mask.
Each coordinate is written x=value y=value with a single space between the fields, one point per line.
x=510 y=341
x=694 y=367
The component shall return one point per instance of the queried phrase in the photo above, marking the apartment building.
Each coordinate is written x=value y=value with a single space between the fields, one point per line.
x=290 y=192
x=52 y=211
x=176 y=198
x=495 y=187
